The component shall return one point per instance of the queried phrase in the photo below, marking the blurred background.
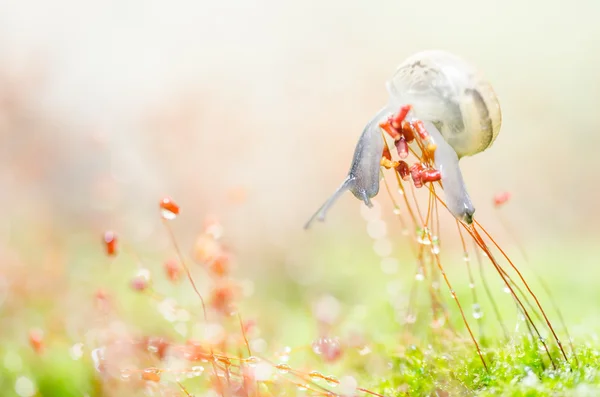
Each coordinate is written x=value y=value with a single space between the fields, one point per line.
x=251 y=110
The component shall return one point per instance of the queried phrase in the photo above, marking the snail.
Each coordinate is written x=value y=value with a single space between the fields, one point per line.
x=459 y=110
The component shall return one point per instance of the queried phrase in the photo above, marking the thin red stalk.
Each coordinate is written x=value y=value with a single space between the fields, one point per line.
x=191 y=279
x=558 y=342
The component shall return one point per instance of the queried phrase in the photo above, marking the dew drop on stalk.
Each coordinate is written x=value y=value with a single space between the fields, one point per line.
x=477 y=312
x=284 y=354
x=125 y=374
x=315 y=376
x=419 y=276
x=435 y=245
x=283 y=368
x=423 y=236
x=466 y=257
x=197 y=370
x=252 y=361
x=303 y=387
x=506 y=290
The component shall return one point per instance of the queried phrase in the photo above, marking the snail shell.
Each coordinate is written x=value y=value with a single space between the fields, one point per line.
x=460 y=110
x=451 y=94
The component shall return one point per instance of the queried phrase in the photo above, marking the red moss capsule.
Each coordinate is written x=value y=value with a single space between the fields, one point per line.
x=36 y=340
x=194 y=351
x=102 y=300
x=501 y=198
x=407 y=131
x=431 y=176
x=402 y=147
x=386 y=153
x=403 y=169
x=110 y=243
x=173 y=270
x=220 y=265
x=415 y=173
x=421 y=130
x=139 y=283
x=206 y=249
x=328 y=348
x=169 y=210
x=158 y=346
x=391 y=131
x=397 y=119
x=151 y=374
x=223 y=297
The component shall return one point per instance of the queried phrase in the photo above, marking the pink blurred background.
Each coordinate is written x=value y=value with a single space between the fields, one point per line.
x=251 y=110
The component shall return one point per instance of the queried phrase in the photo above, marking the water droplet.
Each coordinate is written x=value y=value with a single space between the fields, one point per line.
x=327 y=309
x=383 y=247
x=471 y=285
x=364 y=350
x=397 y=211
x=506 y=290
x=125 y=374
x=438 y=322
x=76 y=351
x=143 y=273
x=197 y=370
x=315 y=376
x=98 y=358
x=435 y=245
x=12 y=361
x=348 y=386
x=376 y=229
x=25 y=387
x=477 y=312
x=453 y=294
x=419 y=276
x=466 y=257
x=329 y=348
x=252 y=361
x=423 y=236
x=284 y=355
x=283 y=368
x=332 y=380
x=303 y=387
x=263 y=371
x=410 y=318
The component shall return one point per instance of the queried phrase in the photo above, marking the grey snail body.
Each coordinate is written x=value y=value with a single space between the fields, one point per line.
x=460 y=111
